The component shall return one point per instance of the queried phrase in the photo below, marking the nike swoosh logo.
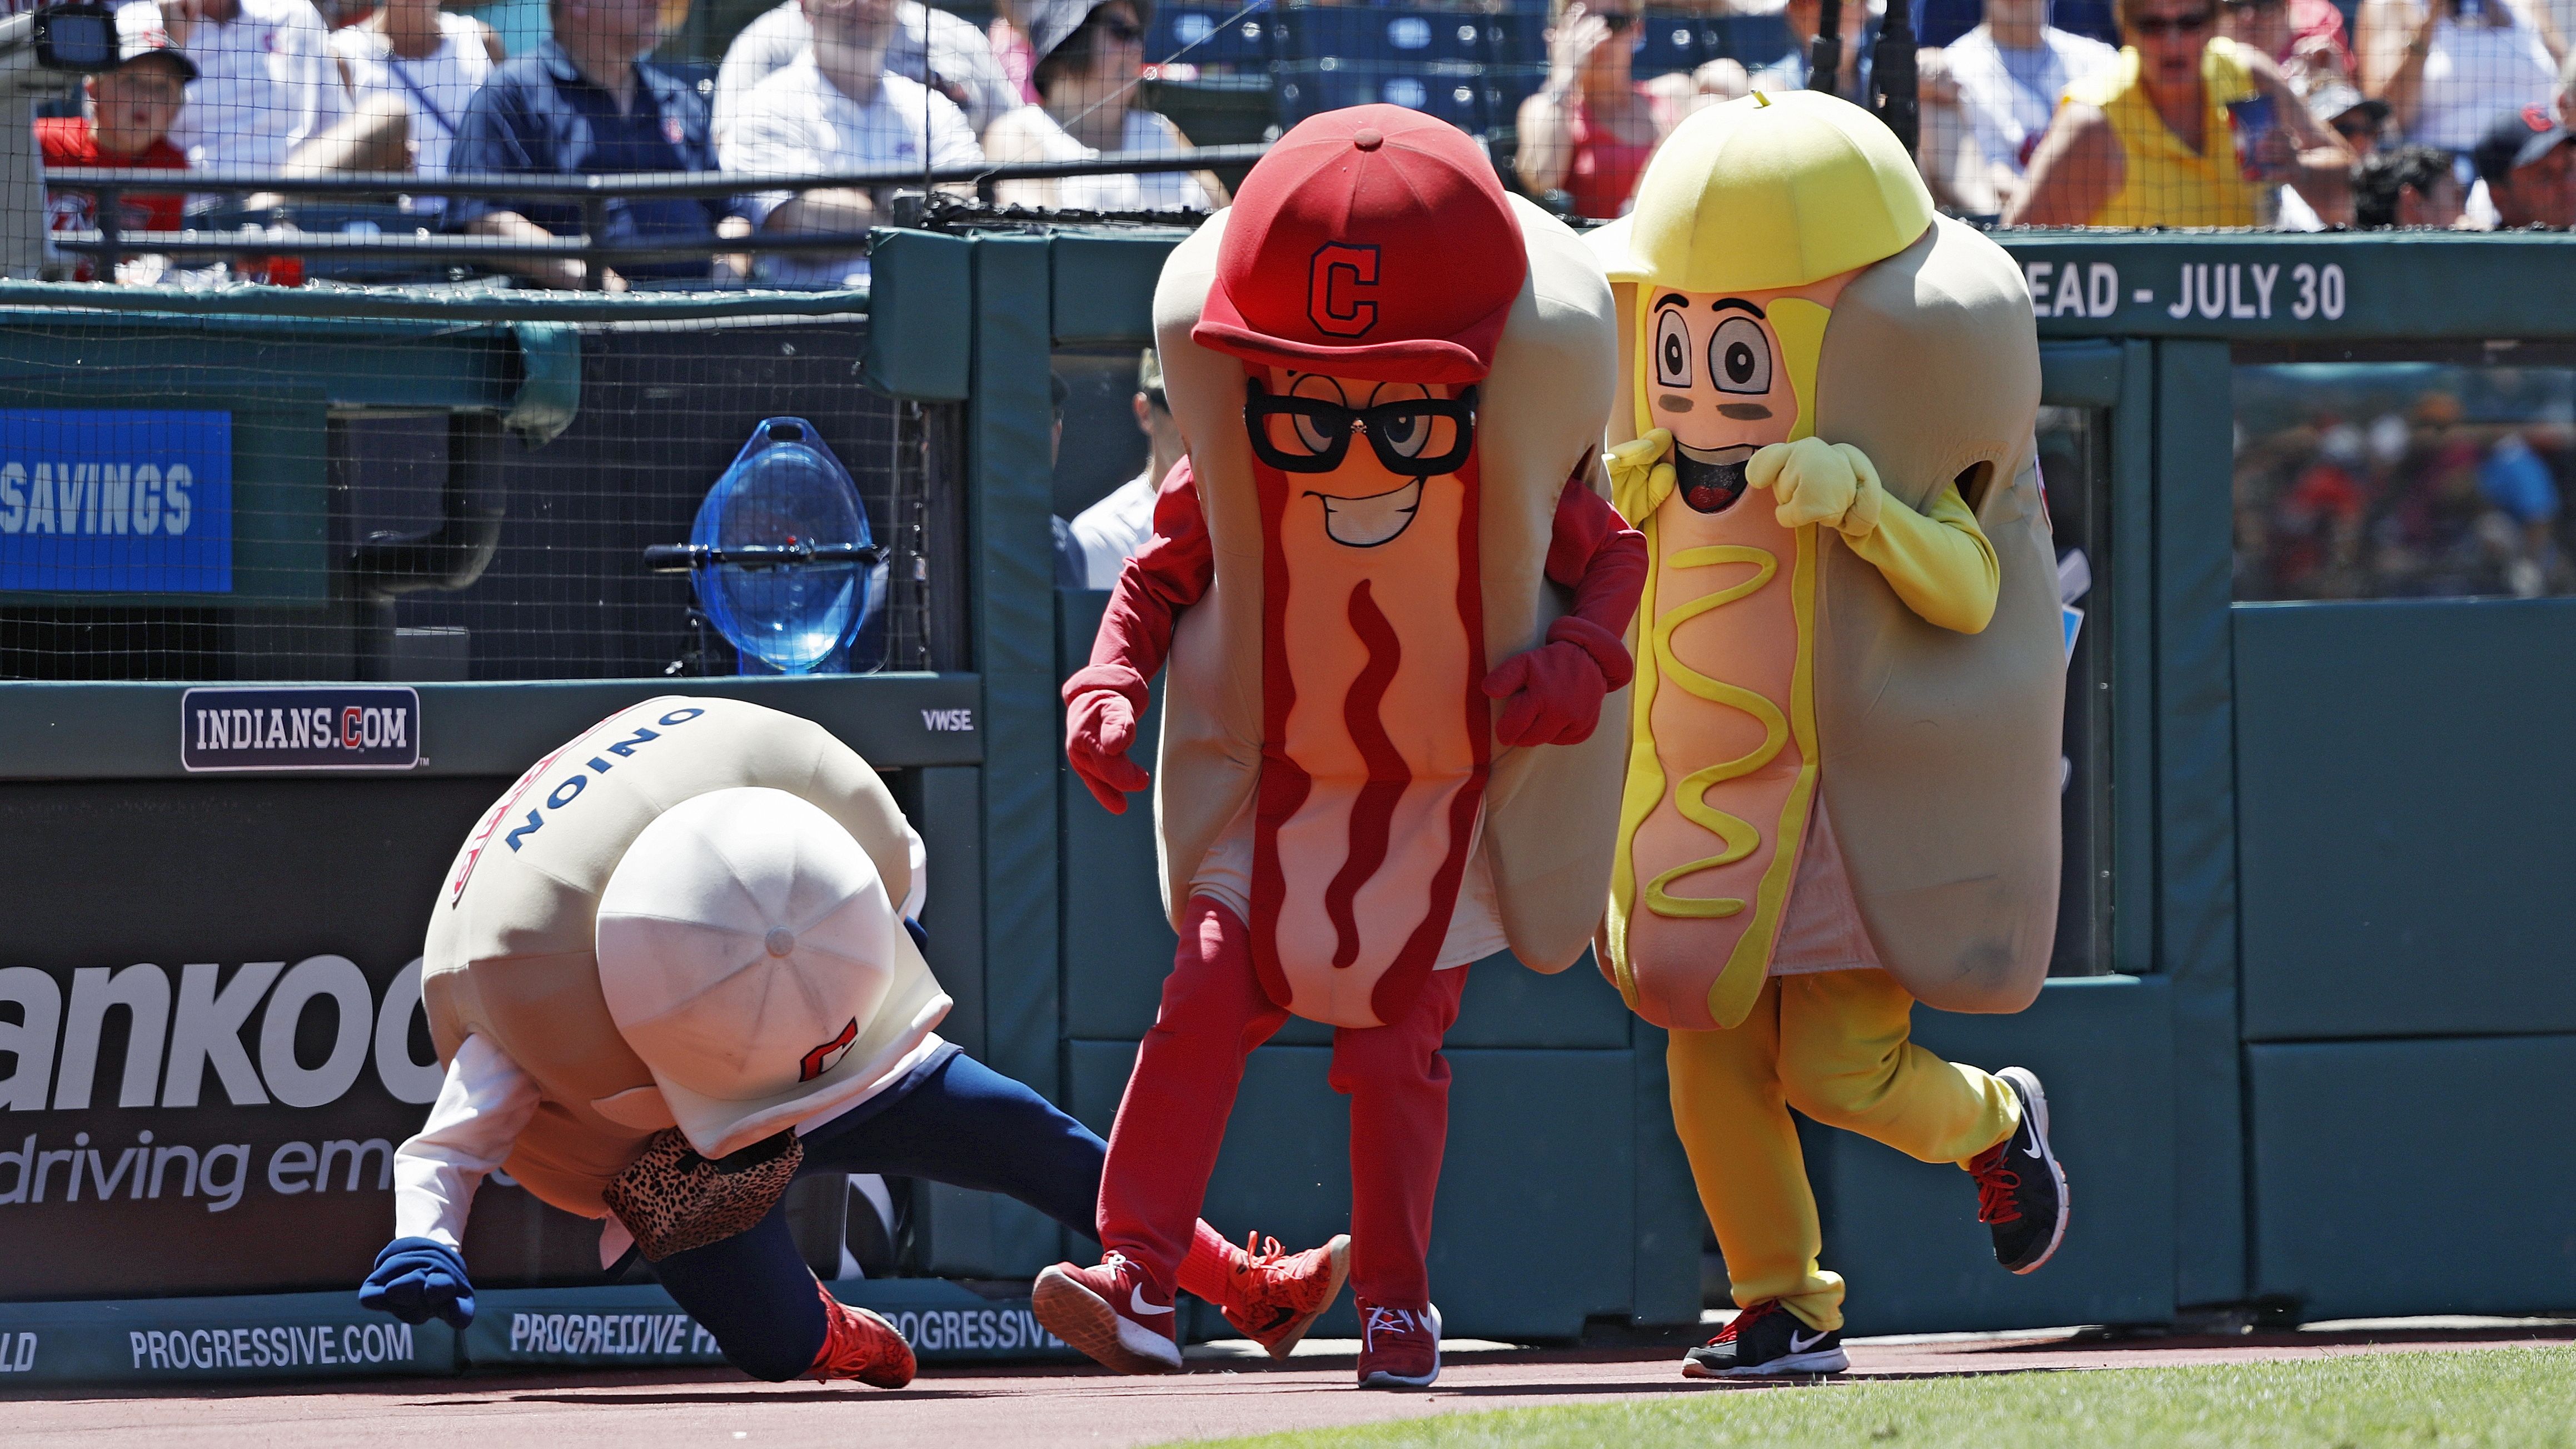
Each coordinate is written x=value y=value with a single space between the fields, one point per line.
x=1137 y=1305
x=1801 y=1345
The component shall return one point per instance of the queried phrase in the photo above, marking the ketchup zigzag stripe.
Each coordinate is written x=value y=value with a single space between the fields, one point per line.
x=1373 y=813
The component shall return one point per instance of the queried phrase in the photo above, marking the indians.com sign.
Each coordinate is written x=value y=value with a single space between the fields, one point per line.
x=197 y=1036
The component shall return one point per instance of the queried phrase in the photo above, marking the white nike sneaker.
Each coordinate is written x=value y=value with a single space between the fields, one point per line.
x=1111 y=1313
x=1767 y=1340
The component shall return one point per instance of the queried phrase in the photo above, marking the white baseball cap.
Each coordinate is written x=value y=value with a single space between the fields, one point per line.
x=745 y=943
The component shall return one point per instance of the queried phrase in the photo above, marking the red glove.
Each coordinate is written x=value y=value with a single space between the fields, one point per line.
x=1555 y=691
x=1554 y=695
x=1098 y=727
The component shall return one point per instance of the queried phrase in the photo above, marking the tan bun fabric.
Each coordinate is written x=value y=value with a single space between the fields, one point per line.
x=1551 y=811
x=1940 y=749
x=510 y=952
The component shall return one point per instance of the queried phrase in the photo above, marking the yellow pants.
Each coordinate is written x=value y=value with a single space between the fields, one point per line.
x=1833 y=1045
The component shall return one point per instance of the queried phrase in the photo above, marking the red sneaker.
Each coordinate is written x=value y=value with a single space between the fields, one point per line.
x=859 y=1345
x=1111 y=1313
x=1272 y=1297
x=1399 y=1347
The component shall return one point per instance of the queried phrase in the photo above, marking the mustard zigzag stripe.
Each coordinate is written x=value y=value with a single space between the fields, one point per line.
x=1740 y=836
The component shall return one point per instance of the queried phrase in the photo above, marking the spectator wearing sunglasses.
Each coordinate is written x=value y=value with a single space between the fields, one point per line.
x=1090 y=59
x=1586 y=135
x=2154 y=140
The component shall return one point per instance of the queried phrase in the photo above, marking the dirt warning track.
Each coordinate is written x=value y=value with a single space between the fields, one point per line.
x=1039 y=1408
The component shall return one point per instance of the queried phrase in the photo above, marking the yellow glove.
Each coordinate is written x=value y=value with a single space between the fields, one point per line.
x=1641 y=475
x=1814 y=481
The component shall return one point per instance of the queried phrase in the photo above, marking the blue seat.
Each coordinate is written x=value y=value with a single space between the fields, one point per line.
x=1378 y=35
x=1671 y=42
x=1199 y=35
x=1516 y=38
x=1460 y=97
x=2094 y=19
x=1753 y=41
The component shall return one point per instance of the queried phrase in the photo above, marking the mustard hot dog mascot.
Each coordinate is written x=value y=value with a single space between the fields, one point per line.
x=675 y=966
x=1392 y=604
x=1842 y=757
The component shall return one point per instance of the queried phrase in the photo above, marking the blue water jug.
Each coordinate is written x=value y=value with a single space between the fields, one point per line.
x=782 y=559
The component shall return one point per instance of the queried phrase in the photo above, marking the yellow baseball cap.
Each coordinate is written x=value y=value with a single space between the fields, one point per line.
x=1768 y=191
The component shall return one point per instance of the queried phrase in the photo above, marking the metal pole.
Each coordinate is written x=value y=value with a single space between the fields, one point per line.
x=594 y=227
x=1825 y=57
x=1892 y=79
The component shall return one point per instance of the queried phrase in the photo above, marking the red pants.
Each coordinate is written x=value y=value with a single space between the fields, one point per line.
x=1172 y=1120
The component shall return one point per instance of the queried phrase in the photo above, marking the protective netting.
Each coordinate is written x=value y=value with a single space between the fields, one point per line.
x=396 y=142
x=213 y=498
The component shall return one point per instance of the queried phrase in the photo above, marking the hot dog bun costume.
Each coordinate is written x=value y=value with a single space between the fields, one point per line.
x=1841 y=792
x=1392 y=603
x=672 y=967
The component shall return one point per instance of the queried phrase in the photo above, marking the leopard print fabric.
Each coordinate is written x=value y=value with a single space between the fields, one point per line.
x=673 y=1200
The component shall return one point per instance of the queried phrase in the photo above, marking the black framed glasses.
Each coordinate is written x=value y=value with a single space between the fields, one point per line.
x=1417 y=437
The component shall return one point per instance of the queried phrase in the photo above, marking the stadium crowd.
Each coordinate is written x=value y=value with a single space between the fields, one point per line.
x=2296 y=114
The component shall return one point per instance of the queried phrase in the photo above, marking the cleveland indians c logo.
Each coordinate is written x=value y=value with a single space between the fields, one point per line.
x=820 y=1059
x=1338 y=272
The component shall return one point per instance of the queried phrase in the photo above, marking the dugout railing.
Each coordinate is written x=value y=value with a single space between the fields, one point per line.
x=2307 y=966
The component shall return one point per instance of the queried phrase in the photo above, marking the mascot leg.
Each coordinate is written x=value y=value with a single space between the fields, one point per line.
x=1846 y=1061
x=1398 y=1084
x=1733 y=1116
x=755 y=1295
x=1172 y=1119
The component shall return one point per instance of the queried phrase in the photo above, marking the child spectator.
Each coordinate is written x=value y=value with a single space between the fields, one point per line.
x=125 y=121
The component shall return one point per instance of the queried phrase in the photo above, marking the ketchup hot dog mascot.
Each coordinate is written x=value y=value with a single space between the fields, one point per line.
x=1842 y=780
x=674 y=967
x=1392 y=602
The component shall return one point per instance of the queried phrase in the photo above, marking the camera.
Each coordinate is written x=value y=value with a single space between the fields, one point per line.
x=78 y=38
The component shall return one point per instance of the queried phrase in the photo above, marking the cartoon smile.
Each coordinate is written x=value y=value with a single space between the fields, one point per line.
x=1711 y=479
x=1381 y=518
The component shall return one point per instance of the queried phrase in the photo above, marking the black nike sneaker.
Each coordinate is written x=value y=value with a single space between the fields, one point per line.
x=2021 y=1191
x=1764 y=1340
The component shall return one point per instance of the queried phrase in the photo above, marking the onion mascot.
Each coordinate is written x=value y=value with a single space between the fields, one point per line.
x=1392 y=602
x=676 y=966
x=1842 y=783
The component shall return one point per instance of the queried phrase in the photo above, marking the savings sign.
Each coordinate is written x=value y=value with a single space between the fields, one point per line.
x=116 y=500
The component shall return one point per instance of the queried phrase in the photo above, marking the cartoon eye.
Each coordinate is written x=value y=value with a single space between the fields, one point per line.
x=1313 y=435
x=1739 y=356
x=1405 y=432
x=1672 y=349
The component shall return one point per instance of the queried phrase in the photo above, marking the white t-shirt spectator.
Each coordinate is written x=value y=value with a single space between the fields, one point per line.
x=434 y=88
x=265 y=85
x=1113 y=529
x=798 y=122
x=926 y=42
x=2009 y=95
x=1143 y=132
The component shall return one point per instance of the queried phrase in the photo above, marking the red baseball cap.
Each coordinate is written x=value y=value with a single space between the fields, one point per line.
x=1373 y=242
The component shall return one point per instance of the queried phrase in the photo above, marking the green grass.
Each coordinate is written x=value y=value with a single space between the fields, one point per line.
x=2504 y=1396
